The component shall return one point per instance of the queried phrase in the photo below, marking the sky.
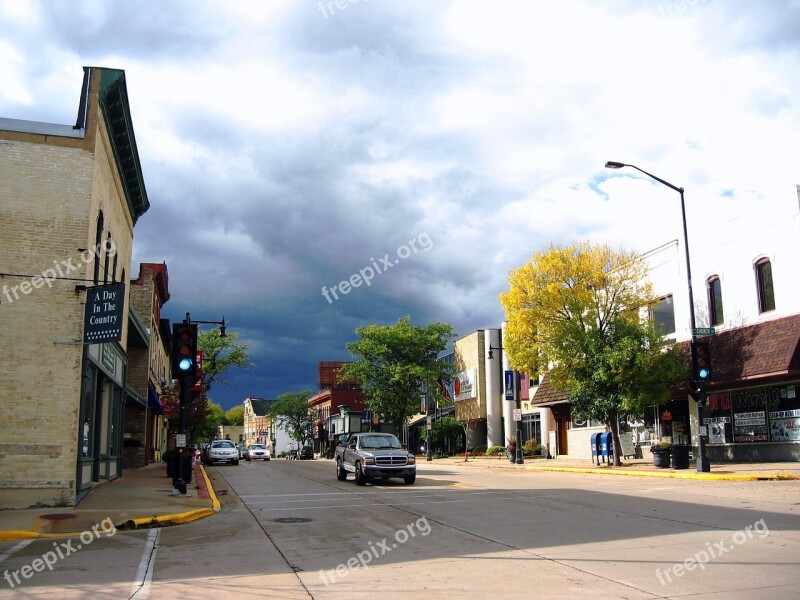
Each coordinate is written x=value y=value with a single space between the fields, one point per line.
x=416 y=150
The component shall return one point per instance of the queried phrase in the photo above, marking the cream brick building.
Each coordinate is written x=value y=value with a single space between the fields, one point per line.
x=69 y=199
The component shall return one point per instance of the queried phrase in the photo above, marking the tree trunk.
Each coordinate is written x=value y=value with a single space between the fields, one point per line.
x=614 y=426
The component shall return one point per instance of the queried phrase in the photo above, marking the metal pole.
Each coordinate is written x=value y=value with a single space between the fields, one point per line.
x=702 y=463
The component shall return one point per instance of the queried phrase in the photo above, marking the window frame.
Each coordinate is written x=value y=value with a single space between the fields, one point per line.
x=716 y=311
x=765 y=289
x=668 y=299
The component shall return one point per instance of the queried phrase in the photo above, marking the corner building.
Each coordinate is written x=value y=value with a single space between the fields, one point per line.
x=70 y=196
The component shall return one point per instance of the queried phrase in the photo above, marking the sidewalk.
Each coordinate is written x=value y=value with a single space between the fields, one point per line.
x=642 y=467
x=140 y=498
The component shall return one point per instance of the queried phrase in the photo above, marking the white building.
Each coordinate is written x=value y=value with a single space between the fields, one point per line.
x=745 y=286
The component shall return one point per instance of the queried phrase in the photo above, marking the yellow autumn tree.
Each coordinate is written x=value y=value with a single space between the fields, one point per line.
x=574 y=312
x=567 y=290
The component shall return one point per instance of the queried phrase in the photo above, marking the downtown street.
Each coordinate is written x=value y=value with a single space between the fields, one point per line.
x=289 y=529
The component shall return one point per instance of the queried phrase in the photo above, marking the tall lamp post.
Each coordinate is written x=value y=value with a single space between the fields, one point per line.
x=696 y=389
x=518 y=454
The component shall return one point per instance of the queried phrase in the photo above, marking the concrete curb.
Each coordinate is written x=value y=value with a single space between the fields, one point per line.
x=160 y=520
x=672 y=474
x=178 y=518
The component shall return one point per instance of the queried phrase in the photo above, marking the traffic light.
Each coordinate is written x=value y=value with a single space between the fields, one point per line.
x=701 y=361
x=184 y=352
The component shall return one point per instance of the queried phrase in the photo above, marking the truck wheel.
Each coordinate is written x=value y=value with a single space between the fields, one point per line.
x=361 y=479
x=409 y=479
x=341 y=474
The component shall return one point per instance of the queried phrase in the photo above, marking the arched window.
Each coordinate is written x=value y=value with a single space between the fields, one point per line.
x=105 y=264
x=715 y=313
x=98 y=242
x=766 y=293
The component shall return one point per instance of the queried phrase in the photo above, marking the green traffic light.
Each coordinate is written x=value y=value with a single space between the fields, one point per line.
x=185 y=364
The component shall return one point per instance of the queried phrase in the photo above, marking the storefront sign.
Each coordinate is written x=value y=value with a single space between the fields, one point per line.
x=109 y=358
x=103 y=316
x=465 y=384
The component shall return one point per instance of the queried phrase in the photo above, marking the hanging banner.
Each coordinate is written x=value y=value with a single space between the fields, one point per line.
x=103 y=317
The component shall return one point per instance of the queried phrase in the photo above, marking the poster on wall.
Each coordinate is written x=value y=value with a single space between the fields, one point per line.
x=784 y=416
x=717 y=418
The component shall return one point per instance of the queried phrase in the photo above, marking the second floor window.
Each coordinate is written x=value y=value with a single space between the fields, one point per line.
x=716 y=316
x=662 y=313
x=766 y=293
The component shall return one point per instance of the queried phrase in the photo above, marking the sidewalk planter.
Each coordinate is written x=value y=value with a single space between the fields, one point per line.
x=661 y=454
x=661 y=459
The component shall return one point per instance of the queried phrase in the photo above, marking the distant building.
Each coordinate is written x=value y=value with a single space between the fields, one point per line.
x=324 y=407
x=144 y=437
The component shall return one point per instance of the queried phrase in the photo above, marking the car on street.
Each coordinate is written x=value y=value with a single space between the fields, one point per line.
x=371 y=456
x=223 y=451
x=258 y=452
x=306 y=453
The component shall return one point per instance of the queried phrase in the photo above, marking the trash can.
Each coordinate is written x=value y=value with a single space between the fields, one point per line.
x=680 y=456
x=595 y=442
x=173 y=466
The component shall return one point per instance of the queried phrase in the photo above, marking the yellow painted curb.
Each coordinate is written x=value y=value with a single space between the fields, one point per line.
x=16 y=534
x=214 y=501
x=173 y=519
x=670 y=474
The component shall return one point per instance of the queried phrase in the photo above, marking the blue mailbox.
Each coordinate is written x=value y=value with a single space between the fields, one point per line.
x=607 y=444
x=595 y=441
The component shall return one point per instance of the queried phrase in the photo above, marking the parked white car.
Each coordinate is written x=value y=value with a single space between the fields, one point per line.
x=223 y=451
x=258 y=452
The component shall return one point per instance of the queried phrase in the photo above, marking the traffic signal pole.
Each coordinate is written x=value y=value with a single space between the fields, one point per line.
x=180 y=482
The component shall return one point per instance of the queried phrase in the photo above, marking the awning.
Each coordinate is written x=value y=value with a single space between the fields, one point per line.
x=439 y=413
x=153 y=403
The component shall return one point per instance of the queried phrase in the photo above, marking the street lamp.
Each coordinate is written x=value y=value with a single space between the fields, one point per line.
x=699 y=393
x=518 y=459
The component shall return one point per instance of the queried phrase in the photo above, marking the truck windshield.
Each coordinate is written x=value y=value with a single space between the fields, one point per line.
x=377 y=442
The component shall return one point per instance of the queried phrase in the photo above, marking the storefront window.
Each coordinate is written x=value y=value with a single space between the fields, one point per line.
x=763 y=414
x=86 y=413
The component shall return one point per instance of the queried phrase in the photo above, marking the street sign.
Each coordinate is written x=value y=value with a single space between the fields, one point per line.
x=517 y=414
x=705 y=331
x=180 y=440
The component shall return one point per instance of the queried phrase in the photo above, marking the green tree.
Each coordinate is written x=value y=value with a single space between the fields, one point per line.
x=290 y=412
x=220 y=354
x=445 y=429
x=235 y=416
x=396 y=364
x=205 y=418
x=577 y=310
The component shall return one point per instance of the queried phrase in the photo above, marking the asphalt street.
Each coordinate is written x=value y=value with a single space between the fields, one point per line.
x=289 y=529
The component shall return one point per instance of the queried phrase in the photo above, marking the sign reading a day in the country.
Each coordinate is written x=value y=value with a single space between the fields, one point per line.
x=103 y=317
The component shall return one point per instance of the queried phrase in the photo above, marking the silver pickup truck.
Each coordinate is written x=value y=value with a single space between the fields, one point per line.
x=374 y=456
